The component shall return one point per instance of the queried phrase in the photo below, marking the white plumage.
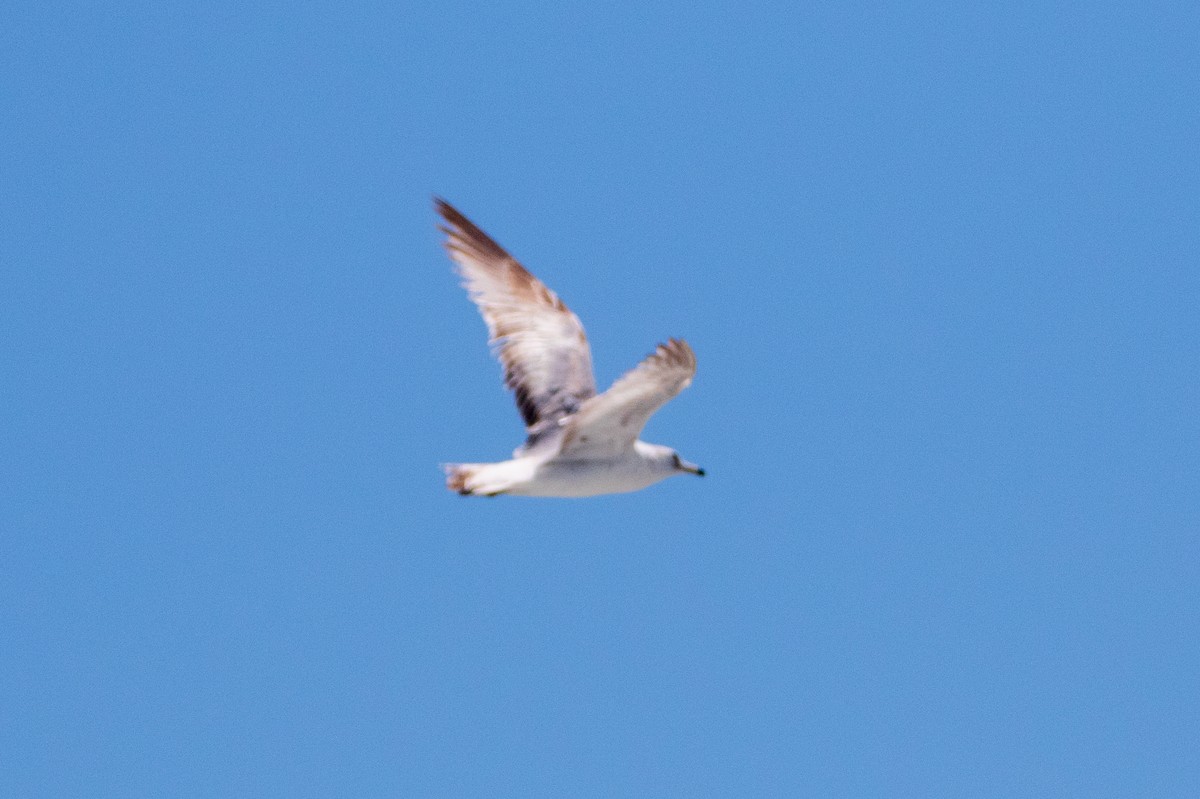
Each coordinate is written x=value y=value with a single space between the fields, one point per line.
x=579 y=443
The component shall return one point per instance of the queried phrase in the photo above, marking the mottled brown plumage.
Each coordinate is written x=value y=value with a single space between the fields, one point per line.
x=538 y=340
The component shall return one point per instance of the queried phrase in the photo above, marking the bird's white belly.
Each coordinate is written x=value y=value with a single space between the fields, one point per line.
x=586 y=478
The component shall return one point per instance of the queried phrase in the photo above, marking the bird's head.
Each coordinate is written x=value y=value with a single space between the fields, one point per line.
x=666 y=461
x=680 y=465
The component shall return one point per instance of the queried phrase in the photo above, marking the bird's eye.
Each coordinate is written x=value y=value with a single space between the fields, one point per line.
x=675 y=459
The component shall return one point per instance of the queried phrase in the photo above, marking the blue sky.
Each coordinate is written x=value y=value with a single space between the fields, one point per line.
x=939 y=265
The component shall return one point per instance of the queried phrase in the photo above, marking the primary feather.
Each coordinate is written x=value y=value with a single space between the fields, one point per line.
x=539 y=341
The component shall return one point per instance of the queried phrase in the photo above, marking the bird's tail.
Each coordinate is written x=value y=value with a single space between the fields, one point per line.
x=474 y=479
x=457 y=475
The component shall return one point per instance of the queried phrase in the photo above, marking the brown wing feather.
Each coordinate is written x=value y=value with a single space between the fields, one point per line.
x=539 y=342
x=608 y=424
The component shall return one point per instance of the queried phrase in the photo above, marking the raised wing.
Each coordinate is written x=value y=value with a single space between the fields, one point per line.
x=539 y=342
x=607 y=425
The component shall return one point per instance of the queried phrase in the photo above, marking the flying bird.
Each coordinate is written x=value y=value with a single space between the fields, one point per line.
x=578 y=443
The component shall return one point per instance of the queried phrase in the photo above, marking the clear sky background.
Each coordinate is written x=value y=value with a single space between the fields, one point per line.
x=940 y=263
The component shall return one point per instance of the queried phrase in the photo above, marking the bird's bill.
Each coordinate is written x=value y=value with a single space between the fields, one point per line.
x=691 y=468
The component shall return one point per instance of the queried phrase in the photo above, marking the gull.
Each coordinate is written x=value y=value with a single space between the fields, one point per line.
x=578 y=443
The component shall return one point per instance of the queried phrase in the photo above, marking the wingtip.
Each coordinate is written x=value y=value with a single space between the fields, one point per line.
x=443 y=208
x=464 y=236
x=454 y=217
x=677 y=350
